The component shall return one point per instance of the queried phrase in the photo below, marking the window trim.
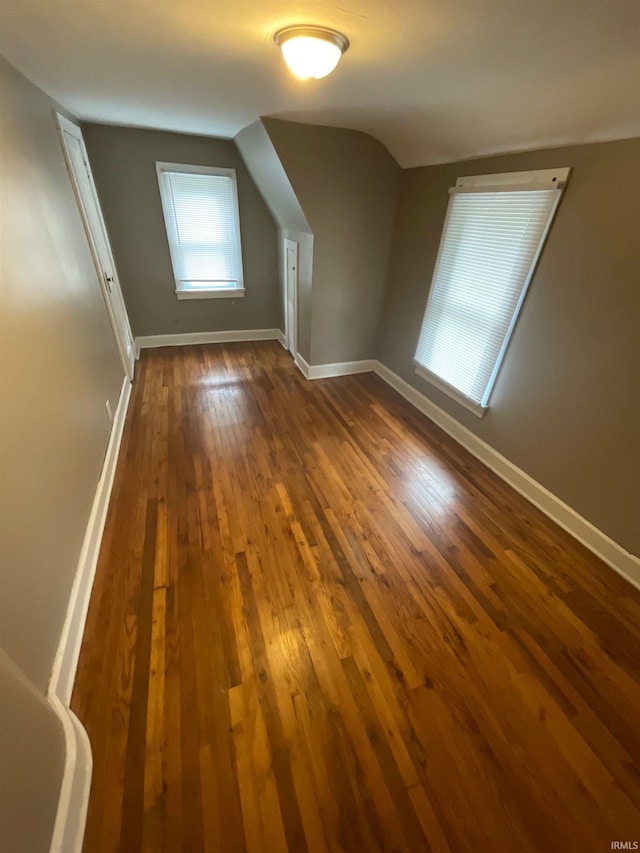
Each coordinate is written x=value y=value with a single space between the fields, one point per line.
x=182 y=292
x=536 y=179
x=452 y=392
x=210 y=293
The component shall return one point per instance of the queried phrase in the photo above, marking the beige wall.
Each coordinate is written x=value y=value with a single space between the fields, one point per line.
x=566 y=405
x=58 y=366
x=123 y=162
x=31 y=763
x=346 y=184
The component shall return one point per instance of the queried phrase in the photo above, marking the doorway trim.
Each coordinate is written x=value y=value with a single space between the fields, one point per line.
x=107 y=279
x=290 y=334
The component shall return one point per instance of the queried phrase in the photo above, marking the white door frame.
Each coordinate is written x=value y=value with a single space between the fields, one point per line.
x=291 y=335
x=105 y=267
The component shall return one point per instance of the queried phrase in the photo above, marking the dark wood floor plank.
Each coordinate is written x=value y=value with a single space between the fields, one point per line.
x=319 y=624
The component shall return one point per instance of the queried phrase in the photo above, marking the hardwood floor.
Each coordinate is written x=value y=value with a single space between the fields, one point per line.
x=319 y=624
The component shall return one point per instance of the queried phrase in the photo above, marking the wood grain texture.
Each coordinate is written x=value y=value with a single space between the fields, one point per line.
x=319 y=624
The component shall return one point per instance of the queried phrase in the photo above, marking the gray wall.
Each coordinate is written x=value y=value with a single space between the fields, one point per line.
x=566 y=406
x=58 y=366
x=123 y=162
x=346 y=184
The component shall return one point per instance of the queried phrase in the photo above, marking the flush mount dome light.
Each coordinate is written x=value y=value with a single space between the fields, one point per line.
x=311 y=51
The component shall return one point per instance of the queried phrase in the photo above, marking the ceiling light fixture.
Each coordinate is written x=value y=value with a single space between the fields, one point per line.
x=311 y=51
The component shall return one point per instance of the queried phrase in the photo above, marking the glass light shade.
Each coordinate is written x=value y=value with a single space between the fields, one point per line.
x=310 y=57
x=311 y=52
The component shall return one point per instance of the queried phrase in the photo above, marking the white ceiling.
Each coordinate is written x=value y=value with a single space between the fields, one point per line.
x=434 y=80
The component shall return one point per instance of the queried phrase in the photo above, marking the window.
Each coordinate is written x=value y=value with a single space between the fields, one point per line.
x=493 y=234
x=200 y=207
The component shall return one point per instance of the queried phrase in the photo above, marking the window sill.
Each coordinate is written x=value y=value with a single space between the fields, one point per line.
x=234 y=293
x=451 y=392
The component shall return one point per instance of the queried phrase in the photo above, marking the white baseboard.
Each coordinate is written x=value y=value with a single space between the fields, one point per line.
x=64 y=665
x=188 y=338
x=282 y=339
x=595 y=540
x=74 y=795
x=73 y=802
x=340 y=368
x=302 y=365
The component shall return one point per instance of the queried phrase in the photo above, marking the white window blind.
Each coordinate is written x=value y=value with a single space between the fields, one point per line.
x=490 y=243
x=200 y=208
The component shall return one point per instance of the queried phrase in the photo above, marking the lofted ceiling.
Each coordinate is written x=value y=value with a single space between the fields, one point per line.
x=434 y=80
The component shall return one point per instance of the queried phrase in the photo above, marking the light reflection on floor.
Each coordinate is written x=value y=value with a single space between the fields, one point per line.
x=229 y=399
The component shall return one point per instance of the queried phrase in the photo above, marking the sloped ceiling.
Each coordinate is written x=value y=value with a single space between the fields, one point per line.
x=434 y=80
x=262 y=161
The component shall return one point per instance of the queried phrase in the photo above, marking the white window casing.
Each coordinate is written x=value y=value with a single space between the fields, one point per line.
x=493 y=234
x=200 y=206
